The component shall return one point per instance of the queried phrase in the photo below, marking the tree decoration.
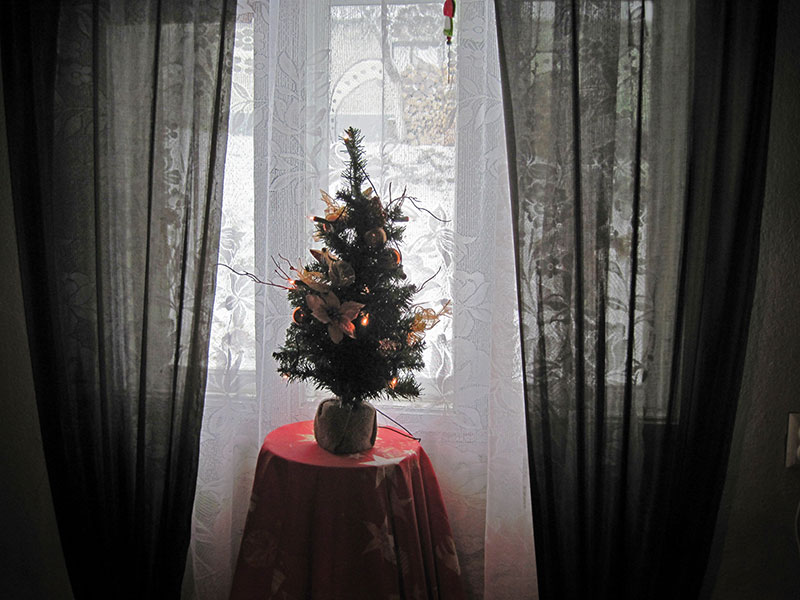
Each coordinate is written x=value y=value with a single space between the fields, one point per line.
x=299 y=316
x=390 y=258
x=424 y=319
x=341 y=274
x=355 y=330
x=375 y=237
x=337 y=316
x=449 y=11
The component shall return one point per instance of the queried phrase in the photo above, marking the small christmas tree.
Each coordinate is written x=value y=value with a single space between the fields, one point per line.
x=354 y=329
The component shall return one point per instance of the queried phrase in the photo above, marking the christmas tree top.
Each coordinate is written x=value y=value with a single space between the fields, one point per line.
x=354 y=328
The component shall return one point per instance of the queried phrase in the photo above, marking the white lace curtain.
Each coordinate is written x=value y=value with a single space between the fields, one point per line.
x=303 y=71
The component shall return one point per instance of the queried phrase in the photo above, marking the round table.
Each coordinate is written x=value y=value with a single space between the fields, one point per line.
x=367 y=526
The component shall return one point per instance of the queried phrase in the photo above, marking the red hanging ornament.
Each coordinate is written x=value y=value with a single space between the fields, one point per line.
x=449 y=11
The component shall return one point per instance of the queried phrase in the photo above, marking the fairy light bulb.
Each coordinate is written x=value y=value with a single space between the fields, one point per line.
x=365 y=320
x=393 y=382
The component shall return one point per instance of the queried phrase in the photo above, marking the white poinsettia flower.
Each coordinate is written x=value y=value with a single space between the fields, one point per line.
x=339 y=317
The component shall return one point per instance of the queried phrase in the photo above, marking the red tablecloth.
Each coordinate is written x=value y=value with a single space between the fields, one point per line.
x=368 y=526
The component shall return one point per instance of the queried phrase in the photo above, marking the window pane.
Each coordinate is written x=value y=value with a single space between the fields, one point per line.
x=388 y=77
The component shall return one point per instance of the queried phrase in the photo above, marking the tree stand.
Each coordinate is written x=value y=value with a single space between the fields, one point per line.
x=345 y=428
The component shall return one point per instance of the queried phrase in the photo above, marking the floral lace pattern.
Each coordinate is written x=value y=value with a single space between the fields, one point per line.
x=299 y=79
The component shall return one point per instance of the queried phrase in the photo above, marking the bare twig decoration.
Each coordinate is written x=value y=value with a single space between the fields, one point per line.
x=424 y=283
x=422 y=208
x=254 y=278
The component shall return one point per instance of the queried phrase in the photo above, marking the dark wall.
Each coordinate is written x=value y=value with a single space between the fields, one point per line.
x=755 y=555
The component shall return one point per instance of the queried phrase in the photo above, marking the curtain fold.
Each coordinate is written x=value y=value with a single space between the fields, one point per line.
x=637 y=142
x=117 y=116
x=734 y=48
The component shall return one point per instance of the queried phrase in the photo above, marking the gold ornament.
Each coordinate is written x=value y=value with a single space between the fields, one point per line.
x=375 y=237
x=424 y=319
x=390 y=258
x=333 y=210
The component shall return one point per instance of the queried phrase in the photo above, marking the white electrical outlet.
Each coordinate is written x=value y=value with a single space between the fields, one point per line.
x=793 y=440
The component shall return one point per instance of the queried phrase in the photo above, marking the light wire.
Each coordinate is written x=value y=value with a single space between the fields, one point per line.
x=410 y=435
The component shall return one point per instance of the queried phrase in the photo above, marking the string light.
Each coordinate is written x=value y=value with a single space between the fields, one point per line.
x=393 y=382
x=365 y=320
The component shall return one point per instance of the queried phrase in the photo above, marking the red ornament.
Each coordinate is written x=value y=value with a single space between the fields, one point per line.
x=449 y=11
x=390 y=258
x=299 y=316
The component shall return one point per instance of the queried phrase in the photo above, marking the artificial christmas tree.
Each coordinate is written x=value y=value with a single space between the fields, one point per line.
x=354 y=328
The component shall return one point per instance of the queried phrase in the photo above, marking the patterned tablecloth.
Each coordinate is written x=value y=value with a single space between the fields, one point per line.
x=367 y=526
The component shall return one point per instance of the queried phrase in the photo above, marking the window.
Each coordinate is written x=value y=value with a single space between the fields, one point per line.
x=387 y=74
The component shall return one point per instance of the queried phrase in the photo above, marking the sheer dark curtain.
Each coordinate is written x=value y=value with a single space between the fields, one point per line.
x=637 y=136
x=117 y=114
